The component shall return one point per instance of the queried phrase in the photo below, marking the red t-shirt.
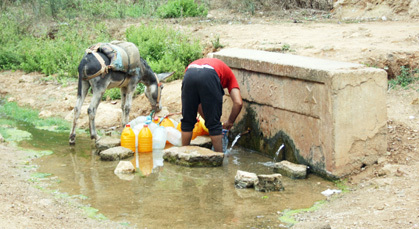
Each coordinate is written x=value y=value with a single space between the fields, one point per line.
x=227 y=78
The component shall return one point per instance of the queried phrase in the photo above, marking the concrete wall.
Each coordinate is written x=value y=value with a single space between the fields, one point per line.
x=330 y=115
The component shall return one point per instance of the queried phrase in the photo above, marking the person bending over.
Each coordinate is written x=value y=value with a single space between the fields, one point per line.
x=202 y=91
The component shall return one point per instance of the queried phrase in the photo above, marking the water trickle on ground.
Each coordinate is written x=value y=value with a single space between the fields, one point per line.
x=170 y=196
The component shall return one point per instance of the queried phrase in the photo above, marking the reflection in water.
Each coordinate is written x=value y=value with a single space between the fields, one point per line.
x=169 y=195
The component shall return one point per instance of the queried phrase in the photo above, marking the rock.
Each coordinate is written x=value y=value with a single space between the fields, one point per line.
x=125 y=170
x=106 y=142
x=193 y=156
x=294 y=171
x=28 y=79
x=245 y=179
x=312 y=225
x=45 y=114
x=115 y=153
x=202 y=141
x=267 y=183
x=124 y=167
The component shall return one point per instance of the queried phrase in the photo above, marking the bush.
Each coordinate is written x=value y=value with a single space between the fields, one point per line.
x=181 y=8
x=405 y=78
x=164 y=49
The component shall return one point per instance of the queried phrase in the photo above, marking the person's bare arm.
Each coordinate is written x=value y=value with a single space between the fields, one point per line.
x=236 y=97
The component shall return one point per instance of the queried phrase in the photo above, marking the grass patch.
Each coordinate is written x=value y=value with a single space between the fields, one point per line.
x=406 y=77
x=181 y=8
x=93 y=213
x=28 y=115
x=288 y=215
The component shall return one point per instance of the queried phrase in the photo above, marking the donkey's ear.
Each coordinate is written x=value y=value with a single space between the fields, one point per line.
x=164 y=76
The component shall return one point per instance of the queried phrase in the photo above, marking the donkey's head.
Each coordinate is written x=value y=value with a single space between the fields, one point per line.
x=153 y=91
x=153 y=83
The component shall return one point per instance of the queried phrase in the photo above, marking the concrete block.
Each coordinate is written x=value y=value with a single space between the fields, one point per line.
x=332 y=114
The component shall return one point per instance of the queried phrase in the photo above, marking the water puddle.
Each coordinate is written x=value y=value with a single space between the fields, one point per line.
x=170 y=195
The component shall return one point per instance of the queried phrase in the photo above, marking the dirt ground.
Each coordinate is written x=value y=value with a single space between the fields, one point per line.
x=384 y=195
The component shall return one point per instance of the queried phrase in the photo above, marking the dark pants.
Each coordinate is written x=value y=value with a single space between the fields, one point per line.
x=202 y=86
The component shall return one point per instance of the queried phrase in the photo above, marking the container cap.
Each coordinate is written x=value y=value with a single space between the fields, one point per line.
x=127 y=125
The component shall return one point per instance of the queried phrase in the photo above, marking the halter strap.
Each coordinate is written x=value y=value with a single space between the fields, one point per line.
x=158 y=89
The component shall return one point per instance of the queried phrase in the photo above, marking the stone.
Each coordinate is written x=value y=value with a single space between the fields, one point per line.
x=125 y=170
x=45 y=114
x=312 y=225
x=107 y=142
x=291 y=170
x=245 y=179
x=193 y=156
x=202 y=141
x=115 y=153
x=268 y=183
x=124 y=167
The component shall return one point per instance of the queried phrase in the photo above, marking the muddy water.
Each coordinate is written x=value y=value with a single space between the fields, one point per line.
x=170 y=195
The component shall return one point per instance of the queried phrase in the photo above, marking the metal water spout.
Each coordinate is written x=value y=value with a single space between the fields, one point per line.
x=238 y=136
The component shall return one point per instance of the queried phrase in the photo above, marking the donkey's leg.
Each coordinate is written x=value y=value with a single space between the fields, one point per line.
x=126 y=97
x=76 y=112
x=97 y=96
x=124 y=118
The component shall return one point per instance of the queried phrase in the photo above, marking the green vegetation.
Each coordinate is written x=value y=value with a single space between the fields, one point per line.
x=405 y=78
x=11 y=109
x=216 y=44
x=181 y=8
x=164 y=48
x=288 y=215
x=51 y=36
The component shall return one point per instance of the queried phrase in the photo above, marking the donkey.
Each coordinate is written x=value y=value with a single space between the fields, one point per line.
x=91 y=65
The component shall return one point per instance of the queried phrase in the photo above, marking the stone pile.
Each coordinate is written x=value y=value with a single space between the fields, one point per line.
x=262 y=183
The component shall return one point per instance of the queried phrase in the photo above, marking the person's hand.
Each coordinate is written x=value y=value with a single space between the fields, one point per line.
x=227 y=125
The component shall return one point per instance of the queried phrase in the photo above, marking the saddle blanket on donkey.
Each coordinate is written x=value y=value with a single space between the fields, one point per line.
x=124 y=57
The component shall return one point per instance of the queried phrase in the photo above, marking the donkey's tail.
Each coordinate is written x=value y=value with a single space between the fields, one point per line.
x=81 y=70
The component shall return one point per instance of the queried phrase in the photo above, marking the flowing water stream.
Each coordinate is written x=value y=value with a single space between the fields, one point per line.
x=170 y=195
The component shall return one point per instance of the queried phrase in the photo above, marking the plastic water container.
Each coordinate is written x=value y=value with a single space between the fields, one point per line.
x=159 y=138
x=225 y=140
x=204 y=128
x=167 y=123
x=145 y=140
x=175 y=123
x=153 y=126
x=138 y=120
x=174 y=136
x=178 y=127
x=197 y=130
x=156 y=120
x=128 y=138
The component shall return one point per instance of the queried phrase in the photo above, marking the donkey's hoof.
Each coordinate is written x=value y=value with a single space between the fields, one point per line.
x=72 y=141
x=97 y=138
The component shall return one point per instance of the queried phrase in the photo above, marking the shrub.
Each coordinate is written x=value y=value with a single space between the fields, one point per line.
x=181 y=8
x=405 y=78
x=164 y=49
